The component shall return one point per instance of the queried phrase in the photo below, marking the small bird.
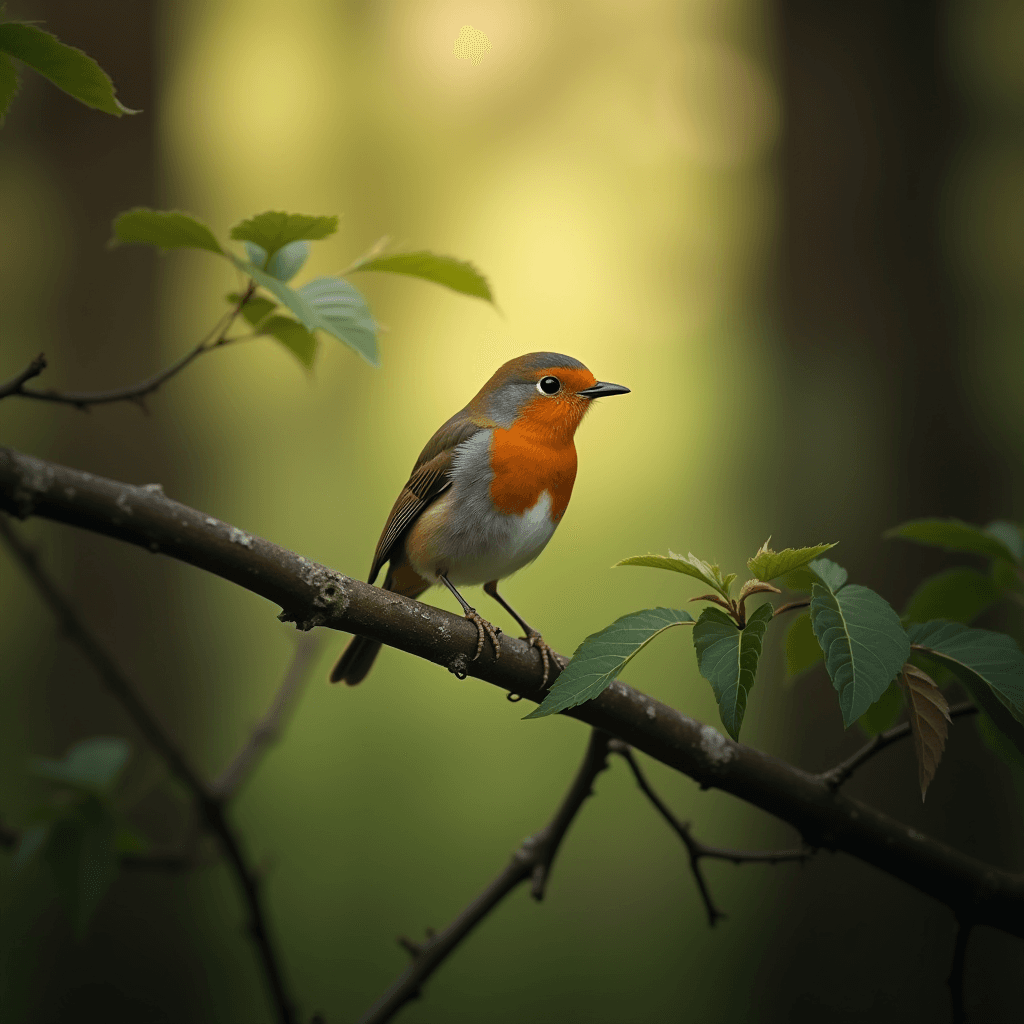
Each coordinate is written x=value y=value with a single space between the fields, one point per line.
x=486 y=494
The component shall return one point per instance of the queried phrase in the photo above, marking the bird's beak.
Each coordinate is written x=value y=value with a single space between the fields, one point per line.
x=603 y=390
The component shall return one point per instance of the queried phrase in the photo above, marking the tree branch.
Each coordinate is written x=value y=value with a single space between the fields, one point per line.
x=133 y=392
x=210 y=806
x=835 y=777
x=694 y=847
x=532 y=861
x=792 y=606
x=270 y=726
x=13 y=386
x=313 y=595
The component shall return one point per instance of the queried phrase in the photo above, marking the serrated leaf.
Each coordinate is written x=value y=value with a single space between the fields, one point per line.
x=9 y=85
x=274 y=229
x=293 y=336
x=322 y=308
x=91 y=766
x=727 y=658
x=256 y=309
x=769 y=565
x=929 y=722
x=288 y=260
x=803 y=651
x=864 y=642
x=985 y=662
x=691 y=565
x=166 y=229
x=459 y=275
x=600 y=658
x=959 y=595
x=68 y=68
x=956 y=535
x=883 y=713
x=80 y=851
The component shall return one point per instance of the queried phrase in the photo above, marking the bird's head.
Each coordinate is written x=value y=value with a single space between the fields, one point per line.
x=545 y=391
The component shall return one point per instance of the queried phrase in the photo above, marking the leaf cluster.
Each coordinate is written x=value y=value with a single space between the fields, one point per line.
x=878 y=663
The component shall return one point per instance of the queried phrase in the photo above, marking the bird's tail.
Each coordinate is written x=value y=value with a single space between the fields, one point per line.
x=357 y=659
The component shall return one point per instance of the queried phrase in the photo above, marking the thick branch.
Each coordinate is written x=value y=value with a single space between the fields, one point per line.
x=694 y=847
x=211 y=807
x=313 y=595
x=532 y=860
x=835 y=777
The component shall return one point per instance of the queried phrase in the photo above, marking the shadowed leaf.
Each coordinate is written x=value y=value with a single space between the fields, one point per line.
x=929 y=721
x=803 y=651
x=956 y=535
x=864 y=642
x=293 y=336
x=256 y=309
x=960 y=595
x=459 y=275
x=92 y=766
x=273 y=230
x=691 y=565
x=600 y=658
x=71 y=70
x=1010 y=534
x=727 y=658
x=883 y=713
x=820 y=570
x=166 y=229
x=768 y=565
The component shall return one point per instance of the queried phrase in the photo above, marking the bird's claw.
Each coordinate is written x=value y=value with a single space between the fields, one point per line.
x=484 y=628
x=547 y=655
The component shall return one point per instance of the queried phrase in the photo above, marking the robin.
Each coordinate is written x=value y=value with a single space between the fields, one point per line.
x=486 y=494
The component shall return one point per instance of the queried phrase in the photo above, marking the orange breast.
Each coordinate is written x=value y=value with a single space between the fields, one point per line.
x=527 y=461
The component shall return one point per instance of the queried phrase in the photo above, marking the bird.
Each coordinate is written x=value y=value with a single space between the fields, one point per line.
x=486 y=495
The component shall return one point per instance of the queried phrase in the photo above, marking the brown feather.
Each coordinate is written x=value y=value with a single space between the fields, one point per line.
x=430 y=478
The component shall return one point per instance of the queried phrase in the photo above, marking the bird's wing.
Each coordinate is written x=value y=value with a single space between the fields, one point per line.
x=431 y=477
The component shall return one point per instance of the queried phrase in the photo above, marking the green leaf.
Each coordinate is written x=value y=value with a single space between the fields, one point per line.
x=985 y=662
x=458 y=275
x=883 y=713
x=821 y=570
x=727 y=658
x=691 y=565
x=256 y=309
x=293 y=336
x=864 y=642
x=80 y=851
x=69 y=69
x=273 y=230
x=959 y=595
x=257 y=255
x=166 y=229
x=956 y=535
x=600 y=658
x=802 y=649
x=91 y=766
x=768 y=565
x=1010 y=534
x=326 y=304
x=9 y=85
x=288 y=260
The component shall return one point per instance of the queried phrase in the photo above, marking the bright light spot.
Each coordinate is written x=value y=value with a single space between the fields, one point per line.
x=471 y=45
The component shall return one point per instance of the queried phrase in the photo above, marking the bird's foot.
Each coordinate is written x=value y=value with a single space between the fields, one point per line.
x=484 y=628
x=547 y=655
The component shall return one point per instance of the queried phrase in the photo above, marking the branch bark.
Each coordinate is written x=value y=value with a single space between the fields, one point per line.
x=313 y=595
x=532 y=861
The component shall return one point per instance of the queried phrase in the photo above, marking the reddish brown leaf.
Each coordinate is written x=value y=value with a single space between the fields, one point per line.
x=755 y=587
x=929 y=715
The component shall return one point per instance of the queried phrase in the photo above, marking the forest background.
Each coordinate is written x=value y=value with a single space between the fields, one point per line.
x=793 y=231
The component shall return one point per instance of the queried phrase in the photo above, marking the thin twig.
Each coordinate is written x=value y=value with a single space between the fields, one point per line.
x=137 y=393
x=836 y=776
x=956 y=971
x=694 y=847
x=532 y=861
x=792 y=606
x=13 y=386
x=270 y=726
x=211 y=807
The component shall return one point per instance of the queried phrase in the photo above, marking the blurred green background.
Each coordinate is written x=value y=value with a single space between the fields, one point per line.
x=793 y=229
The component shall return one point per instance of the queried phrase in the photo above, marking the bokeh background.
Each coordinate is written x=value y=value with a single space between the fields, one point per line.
x=793 y=229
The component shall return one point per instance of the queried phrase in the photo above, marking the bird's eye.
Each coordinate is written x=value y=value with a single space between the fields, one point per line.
x=549 y=385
